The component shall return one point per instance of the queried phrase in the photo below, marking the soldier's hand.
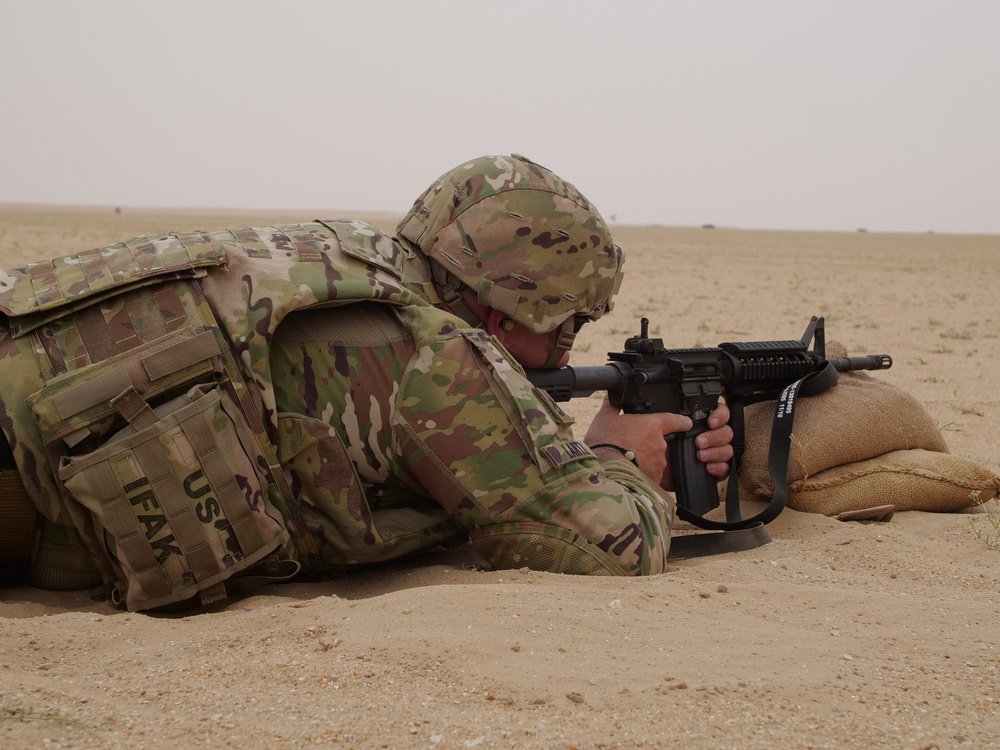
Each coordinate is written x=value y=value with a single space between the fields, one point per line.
x=643 y=434
x=715 y=447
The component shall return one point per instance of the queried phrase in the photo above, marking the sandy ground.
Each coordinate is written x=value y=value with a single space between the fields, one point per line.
x=835 y=635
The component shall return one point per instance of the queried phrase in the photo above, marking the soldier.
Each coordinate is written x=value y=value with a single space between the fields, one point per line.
x=202 y=411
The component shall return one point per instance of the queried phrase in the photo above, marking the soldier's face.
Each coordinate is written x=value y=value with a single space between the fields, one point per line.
x=530 y=349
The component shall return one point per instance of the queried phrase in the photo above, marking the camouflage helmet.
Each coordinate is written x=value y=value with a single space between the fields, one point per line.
x=530 y=244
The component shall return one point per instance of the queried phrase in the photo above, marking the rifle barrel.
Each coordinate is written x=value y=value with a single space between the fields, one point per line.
x=566 y=383
x=867 y=362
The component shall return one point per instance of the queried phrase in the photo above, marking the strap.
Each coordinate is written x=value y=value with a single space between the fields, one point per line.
x=448 y=287
x=186 y=533
x=309 y=249
x=133 y=407
x=98 y=390
x=567 y=334
x=779 y=449
x=108 y=385
x=220 y=476
x=121 y=522
x=413 y=229
x=719 y=542
x=630 y=455
x=183 y=354
x=272 y=569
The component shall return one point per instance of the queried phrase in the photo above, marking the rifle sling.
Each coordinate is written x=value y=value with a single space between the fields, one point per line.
x=719 y=542
x=777 y=460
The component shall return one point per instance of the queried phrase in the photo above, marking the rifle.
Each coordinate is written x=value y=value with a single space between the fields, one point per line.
x=646 y=378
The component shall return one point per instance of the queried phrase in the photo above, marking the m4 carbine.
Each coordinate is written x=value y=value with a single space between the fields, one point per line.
x=646 y=378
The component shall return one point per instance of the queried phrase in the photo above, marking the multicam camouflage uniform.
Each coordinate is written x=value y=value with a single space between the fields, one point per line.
x=374 y=423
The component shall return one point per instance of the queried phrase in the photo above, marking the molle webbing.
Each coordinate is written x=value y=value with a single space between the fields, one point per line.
x=265 y=242
x=181 y=498
x=119 y=325
x=60 y=349
x=159 y=364
x=69 y=405
x=448 y=286
x=44 y=291
x=173 y=496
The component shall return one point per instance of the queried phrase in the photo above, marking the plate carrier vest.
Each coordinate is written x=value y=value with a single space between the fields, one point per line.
x=135 y=393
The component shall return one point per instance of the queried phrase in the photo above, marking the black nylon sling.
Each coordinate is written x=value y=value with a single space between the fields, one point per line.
x=736 y=533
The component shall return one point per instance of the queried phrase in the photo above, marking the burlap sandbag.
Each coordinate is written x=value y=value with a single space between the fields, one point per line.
x=860 y=418
x=908 y=480
x=862 y=444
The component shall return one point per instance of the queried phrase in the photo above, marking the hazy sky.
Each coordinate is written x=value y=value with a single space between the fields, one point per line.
x=792 y=114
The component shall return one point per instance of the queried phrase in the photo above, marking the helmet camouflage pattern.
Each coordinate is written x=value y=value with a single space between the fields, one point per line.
x=530 y=244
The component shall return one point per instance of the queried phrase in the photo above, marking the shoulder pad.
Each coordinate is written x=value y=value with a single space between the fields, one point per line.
x=367 y=243
x=32 y=295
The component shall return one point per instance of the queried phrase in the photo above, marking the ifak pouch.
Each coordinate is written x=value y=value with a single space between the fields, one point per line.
x=178 y=497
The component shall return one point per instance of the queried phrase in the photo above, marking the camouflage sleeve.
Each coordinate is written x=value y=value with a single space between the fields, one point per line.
x=500 y=457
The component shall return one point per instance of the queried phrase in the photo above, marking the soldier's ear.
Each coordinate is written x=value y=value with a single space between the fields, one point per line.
x=498 y=324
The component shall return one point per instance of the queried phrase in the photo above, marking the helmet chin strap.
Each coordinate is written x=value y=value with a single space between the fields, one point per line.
x=563 y=343
x=448 y=287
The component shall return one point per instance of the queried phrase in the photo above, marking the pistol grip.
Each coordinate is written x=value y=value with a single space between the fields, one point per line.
x=695 y=489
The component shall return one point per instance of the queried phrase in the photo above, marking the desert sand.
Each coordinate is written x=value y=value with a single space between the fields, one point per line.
x=835 y=635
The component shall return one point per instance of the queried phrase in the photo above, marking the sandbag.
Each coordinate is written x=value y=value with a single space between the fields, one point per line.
x=860 y=418
x=860 y=445
x=908 y=480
